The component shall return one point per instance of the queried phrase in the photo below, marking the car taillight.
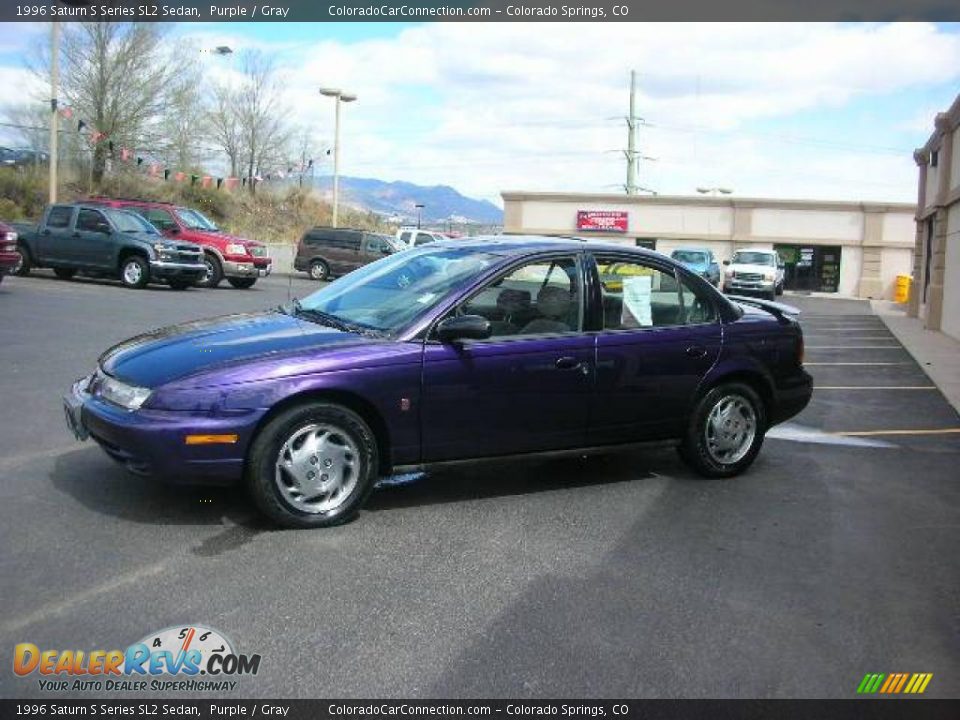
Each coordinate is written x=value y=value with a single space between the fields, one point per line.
x=10 y=237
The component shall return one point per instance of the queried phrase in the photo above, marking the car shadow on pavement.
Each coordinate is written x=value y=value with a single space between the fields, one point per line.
x=501 y=478
x=105 y=487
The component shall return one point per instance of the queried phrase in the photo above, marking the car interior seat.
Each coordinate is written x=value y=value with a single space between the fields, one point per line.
x=554 y=305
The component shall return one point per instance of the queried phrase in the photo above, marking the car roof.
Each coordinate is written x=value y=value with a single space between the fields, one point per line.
x=519 y=244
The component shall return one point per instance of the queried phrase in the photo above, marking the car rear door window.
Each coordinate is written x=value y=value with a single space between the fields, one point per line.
x=159 y=218
x=59 y=216
x=636 y=295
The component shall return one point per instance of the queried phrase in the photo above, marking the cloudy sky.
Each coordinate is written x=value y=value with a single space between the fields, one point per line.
x=796 y=110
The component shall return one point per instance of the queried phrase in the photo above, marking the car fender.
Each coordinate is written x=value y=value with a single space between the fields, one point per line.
x=739 y=365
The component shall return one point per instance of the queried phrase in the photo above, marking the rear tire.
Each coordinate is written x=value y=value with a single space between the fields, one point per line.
x=726 y=431
x=214 y=272
x=134 y=272
x=313 y=465
x=779 y=289
x=242 y=283
x=319 y=271
x=64 y=273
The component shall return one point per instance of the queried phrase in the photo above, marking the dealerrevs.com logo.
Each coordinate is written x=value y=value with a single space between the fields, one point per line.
x=190 y=658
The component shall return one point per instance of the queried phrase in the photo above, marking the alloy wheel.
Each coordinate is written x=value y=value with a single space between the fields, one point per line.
x=317 y=468
x=730 y=429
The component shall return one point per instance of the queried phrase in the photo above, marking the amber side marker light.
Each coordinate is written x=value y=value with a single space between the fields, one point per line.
x=210 y=439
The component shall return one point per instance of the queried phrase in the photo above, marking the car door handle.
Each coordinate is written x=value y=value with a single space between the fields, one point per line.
x=696 y=351
x=568 y=363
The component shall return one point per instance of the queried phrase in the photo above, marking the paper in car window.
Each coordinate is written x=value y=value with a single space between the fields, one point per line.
x=636 y=302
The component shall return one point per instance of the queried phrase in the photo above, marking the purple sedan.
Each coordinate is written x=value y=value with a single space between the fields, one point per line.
x=455 y=351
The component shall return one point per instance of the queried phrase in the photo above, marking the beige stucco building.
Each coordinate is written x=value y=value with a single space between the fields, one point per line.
x=852 y=248
x=936 y=268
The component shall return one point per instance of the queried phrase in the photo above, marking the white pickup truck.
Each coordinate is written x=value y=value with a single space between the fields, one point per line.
x=754 y=271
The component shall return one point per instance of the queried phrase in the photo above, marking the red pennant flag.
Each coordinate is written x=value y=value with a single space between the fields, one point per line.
x=206 y=181
x=232 y=182
x=126 y=154
x=180 y=176
x=154 y=169
x=66 y=112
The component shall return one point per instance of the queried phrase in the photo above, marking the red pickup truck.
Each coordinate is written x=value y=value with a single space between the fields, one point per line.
x=239 y=260
x=9 y=257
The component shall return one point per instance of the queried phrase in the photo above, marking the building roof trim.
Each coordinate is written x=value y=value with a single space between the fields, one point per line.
x=943 y=123
x=695 y=200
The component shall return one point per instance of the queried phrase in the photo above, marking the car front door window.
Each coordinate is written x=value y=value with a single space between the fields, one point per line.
x=542 y=297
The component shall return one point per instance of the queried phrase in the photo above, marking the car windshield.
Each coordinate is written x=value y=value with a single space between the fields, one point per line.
x=690 y=256
x=129 y=222
x=753 y=258
x=195 y=220
x=387 y=295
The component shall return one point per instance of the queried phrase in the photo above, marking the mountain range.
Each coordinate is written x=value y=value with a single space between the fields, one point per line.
x=398 y=200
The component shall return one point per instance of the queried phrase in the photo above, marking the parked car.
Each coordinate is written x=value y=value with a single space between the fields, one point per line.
x=457 y=351
x=9 y=256
x=22 y=158
x=324 y=252
x=239 y=260
x=701 y=261
x=415 y=238
x=106 y=242
x=759 y=271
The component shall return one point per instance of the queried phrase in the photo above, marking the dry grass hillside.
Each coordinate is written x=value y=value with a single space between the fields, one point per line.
x=272 y=215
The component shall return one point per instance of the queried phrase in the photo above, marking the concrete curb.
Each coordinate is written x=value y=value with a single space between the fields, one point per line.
x=937 y=354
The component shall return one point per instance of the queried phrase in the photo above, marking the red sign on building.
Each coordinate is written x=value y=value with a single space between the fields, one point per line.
x=602 y=220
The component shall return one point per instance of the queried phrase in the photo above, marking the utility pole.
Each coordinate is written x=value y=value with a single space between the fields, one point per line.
x=631 y=153
x=54 y=110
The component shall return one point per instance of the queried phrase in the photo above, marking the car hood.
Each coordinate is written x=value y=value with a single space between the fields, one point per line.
x=695 y=266
x=180 y=351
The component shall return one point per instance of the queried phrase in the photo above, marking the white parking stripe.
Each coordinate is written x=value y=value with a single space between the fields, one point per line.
x=874 y=387
x=858 y=363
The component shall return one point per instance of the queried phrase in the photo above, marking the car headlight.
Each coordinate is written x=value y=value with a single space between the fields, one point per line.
x=769 y=276
x=164 y=251
x=236 y=249
x=119 y=393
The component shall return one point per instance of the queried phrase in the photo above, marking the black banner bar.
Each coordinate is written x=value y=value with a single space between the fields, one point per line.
x=865 y=709
x=488 y=11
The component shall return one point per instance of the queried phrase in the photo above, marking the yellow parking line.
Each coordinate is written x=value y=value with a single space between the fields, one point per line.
x=854 y=347
x=875 y=387
x=867 y=433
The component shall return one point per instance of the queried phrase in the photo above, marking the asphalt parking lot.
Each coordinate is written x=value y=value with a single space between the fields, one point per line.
x=616 y=576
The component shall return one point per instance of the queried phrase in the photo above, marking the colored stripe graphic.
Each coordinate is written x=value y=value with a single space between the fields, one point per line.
x=894 y=683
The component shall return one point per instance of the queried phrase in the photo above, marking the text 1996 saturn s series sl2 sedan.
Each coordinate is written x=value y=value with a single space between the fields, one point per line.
x=455 y=351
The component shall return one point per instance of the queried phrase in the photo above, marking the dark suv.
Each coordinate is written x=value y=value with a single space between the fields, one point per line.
x=324 y=252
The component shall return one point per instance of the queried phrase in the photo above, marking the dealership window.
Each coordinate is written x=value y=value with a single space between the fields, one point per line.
x=648 y=243
x=637 y=296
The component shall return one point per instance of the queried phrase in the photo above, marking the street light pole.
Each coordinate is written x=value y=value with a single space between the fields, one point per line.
x=338 y=95
x=54 y=110
x=419 y=207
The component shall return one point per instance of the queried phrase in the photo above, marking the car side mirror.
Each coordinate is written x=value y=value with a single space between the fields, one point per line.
x=726 y=262
x=464 y=327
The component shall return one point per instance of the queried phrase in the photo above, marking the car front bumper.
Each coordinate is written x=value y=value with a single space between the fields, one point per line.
x=247 y=269
x=153 y=442
x=732 y=284
x=164 y=269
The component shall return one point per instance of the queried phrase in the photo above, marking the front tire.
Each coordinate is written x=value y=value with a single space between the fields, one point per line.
x=725 y=432
x=64 y=273
x=214 y=272
x=313 y=465
x=134 y=272
x=242 y=283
